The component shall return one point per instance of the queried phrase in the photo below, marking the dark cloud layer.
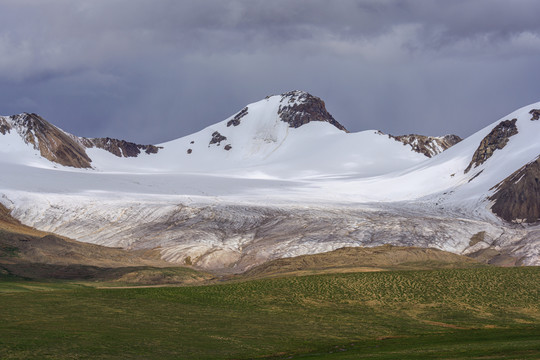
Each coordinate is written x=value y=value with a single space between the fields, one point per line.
x=151 y=71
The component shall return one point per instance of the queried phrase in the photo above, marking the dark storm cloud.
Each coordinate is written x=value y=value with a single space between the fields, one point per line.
x=151 y=71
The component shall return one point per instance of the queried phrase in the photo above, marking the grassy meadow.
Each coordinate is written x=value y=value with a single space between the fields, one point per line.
x=491 y=313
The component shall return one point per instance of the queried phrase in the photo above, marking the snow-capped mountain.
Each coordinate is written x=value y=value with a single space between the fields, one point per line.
x=56 y=145
x=271 y=136
x=279 y=178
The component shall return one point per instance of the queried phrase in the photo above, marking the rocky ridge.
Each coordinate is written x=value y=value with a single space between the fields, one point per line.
x=427 y=145
x=63 y=148
x=52 y=143
x=120 y=148
x=495 y=140
x=236 y=120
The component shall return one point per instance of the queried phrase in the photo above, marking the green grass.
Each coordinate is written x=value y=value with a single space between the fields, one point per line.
x=469 y=313
x=8 y=251
x=465 y=344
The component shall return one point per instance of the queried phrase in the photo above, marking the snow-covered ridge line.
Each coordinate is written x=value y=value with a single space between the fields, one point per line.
x=265 y=189
x=61 y=147
x=294 y=124
x=52 y=143
x=427 y=145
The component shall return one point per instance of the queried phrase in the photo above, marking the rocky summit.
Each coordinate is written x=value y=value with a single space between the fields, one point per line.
x=298 y=108
x=63 y=148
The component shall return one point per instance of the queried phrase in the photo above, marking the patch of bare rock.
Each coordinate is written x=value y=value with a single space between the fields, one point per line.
x=495 y=140
x=299 y=108
x=427 y=145
x=517 y=198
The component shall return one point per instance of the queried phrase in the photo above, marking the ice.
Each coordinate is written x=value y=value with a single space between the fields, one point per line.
x=284 y=170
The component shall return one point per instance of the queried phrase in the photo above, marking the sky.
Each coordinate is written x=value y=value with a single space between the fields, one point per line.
x=152 y=71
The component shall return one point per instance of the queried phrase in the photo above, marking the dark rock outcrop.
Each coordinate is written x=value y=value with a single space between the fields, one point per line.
x=517 y=198
x=476 y=175
x=52 y=143
x=64 y=148
x=236 y=120
x=120 y=148
x=4 y=126
x=535 y=114
x=427 y=145
x=300 y=108
x=495 y=140
x=228 y=147
x=217 y=138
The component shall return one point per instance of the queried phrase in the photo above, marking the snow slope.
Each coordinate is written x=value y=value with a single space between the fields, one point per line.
x=265 y=196
x=265 y=152
x=263 y=145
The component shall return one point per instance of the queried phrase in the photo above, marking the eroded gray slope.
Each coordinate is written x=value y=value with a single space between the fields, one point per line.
x=237 y=237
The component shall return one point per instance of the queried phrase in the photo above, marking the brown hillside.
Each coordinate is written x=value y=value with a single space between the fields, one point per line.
x=38 y=246
x=357 y=259
x=32 y=254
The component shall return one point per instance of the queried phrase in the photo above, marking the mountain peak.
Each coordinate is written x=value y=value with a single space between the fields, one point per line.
x=52 y=143
x=28 y=121
x=298 y=108
x=64 y=148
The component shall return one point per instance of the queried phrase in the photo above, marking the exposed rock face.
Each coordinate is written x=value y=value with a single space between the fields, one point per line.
x=300 y=108
x=120 y=148
x=517 y=198
x=217 y=138
x=228 y=147
x=495 y=140
x=427 y=145
x=52 y=143
x=4 y=126
x=535 y=114
x=476 y=175
x=64 y=148
x=236 y=120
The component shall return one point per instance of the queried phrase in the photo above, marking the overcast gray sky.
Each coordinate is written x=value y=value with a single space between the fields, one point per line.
x=155 y=70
